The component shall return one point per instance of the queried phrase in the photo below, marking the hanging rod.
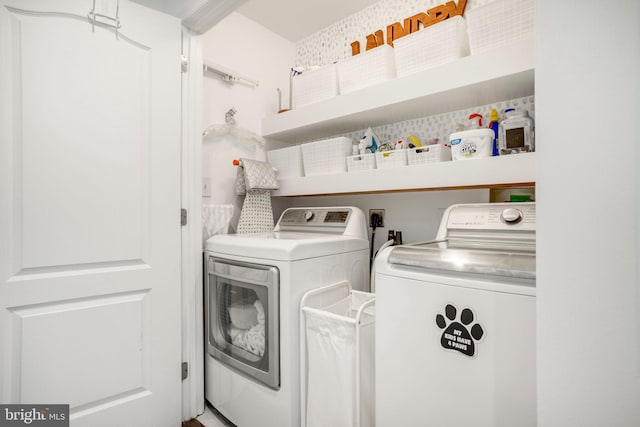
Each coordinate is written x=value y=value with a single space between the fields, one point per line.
x=228 y=76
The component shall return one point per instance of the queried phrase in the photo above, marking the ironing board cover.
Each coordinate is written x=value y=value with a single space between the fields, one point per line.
x=255 y=179
x=254 y=175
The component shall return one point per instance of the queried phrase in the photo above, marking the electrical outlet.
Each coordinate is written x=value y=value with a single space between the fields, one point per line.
x=380 y=213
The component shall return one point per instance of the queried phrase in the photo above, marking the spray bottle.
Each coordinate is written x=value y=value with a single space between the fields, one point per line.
x=478 y=124
x=494 y=125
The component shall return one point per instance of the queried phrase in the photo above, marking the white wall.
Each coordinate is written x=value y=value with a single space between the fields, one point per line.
x=240 y=45
x=588 y=192
x=416 y=214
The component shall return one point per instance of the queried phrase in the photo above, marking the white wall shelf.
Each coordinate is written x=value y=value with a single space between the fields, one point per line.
x=497 y=75
x=503 y=171
x=493 y=76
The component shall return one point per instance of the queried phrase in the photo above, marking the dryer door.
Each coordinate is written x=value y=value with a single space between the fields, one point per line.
x=243 y=318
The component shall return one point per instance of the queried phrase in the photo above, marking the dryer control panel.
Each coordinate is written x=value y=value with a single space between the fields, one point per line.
x=314 y=217
x=348 y=221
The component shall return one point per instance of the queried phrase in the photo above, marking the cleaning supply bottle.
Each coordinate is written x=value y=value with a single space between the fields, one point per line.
x=478 y=124
x=414 y=141
x=368 y=142
x=494 y=123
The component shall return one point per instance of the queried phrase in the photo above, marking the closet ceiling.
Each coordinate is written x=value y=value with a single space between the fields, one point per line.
x=198 y=15
x=297 y=19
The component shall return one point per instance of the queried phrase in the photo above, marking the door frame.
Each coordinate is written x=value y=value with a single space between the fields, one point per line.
x=191 y=199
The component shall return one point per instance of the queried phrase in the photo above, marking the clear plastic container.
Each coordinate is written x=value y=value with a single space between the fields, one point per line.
x=516 y=133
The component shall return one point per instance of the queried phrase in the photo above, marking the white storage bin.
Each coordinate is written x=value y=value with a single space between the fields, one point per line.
x=428 y=154
x=315 y=85
x=326 y=157
x=287 y=161
x=391 y=159
x=432 y=46
x=366 y=69
x=337 y=357
x=498 y=23
x=361 y=162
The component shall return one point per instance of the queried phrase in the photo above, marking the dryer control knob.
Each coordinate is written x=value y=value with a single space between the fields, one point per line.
x=511 y=216
x=308 y=215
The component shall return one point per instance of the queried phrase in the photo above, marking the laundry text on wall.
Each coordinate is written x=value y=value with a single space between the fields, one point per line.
x=412 y=24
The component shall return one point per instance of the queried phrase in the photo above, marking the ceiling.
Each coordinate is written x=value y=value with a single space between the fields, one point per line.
x=292 y=19
x=296 y=19
x=198 y=15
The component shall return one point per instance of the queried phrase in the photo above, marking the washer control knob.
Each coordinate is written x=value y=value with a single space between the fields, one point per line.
x=511 y=216
x=308 y=215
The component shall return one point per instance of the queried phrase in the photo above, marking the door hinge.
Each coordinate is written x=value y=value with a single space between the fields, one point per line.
x=185 y=370
x=183 y=217
x=184 y=64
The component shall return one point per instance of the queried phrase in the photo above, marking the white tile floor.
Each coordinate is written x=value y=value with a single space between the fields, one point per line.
x=209 y=419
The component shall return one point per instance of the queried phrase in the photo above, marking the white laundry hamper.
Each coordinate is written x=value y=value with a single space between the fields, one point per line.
x=337 y=357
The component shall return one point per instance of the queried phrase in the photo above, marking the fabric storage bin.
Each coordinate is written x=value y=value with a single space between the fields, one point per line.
x=361 y=162
x=314 y=85
x=428 y=154
x=432 y=46
x=287 y=161
x=498 y=23
x=326 y=157
x=366 y=69
x=391 y=159
x=337 y=357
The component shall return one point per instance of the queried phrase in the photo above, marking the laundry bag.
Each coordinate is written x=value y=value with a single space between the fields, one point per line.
x=338 y=354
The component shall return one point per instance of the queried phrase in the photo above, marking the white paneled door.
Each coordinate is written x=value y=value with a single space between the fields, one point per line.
x=90 y=210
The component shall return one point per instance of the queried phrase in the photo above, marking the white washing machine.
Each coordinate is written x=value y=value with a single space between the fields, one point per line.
x=455 y=323
x=253 y=287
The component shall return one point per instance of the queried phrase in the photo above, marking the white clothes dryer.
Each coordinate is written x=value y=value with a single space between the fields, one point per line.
x=455 y=323
x=253 y=287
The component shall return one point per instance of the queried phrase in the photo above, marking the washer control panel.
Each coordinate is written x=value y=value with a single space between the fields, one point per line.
x=511 y=216
x=493 y=216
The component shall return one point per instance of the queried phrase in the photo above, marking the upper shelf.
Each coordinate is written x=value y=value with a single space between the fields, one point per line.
x=497 y=75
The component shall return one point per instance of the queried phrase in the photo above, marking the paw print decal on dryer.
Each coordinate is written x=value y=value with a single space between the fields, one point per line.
x=459 y=335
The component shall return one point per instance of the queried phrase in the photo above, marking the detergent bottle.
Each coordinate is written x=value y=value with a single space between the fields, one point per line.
x=494 y=124
x=474 y=143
